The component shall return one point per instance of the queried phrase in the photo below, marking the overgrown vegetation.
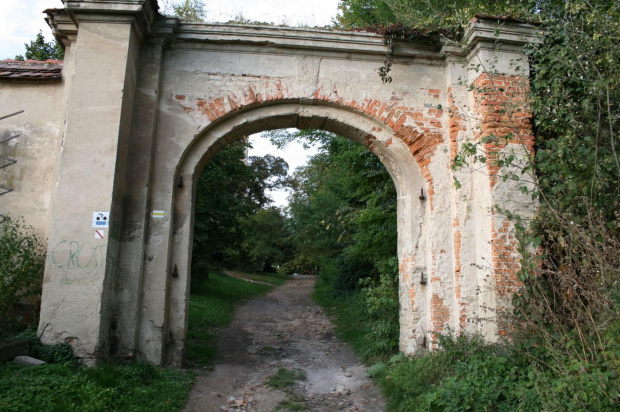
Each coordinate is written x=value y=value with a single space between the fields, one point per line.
x=466 y=375
x=430 y=15
x=22 y=260
x=64 y=385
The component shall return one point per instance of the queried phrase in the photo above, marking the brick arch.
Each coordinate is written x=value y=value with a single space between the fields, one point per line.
x=420 y=129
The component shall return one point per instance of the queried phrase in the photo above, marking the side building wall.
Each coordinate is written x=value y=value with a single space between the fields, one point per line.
x=37 y=88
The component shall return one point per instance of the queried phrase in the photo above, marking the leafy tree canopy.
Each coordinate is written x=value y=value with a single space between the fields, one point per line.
x=231 y=203
x=343 y=209
x=439 y=14
x=39 y=50
x=186 y=10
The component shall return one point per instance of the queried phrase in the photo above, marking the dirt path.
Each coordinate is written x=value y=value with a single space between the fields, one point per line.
x=284 y=329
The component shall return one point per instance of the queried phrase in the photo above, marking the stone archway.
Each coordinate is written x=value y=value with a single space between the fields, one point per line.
x=149 y=100
x=394 y=154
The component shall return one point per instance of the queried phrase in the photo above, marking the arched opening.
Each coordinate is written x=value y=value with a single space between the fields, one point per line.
x=394 y=155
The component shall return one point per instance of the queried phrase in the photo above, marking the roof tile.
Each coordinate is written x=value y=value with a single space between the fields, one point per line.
x=31 y=71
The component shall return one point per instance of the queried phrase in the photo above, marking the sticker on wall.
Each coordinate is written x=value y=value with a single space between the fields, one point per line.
x=101 y=220
x=99 y=234
x=158 y=214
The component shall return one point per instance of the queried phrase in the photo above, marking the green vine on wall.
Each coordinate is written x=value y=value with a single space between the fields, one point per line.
x=394 y=32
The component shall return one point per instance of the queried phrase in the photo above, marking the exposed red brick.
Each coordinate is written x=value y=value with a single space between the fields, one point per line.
x=419 y=129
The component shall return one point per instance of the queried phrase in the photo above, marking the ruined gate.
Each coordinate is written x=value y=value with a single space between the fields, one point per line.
x=147 y=101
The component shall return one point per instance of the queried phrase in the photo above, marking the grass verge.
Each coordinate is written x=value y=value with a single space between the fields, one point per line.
x=66 y=387
x=212 y=306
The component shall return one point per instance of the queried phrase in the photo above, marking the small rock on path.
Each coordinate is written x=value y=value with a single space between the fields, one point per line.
x=284 y=329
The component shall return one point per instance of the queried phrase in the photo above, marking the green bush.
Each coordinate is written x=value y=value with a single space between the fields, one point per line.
x=366 y=319
x=22 y=260
x=465 y=375
x=381 y=310
x=60 y=353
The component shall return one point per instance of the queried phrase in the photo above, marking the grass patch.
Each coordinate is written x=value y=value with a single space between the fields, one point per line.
x=212 y=306
x=63 y=384
x=65 y=387
x=291 y=405
x=324 y=296
x=286 y=378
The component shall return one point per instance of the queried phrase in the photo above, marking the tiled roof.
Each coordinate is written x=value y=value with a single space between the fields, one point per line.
x=30 y=71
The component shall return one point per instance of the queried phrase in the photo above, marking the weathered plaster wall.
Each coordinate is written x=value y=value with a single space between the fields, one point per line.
x=40 y=129
x=81 y=268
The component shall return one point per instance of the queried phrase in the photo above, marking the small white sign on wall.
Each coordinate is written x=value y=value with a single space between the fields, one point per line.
x=158 y=214
x=101 y=220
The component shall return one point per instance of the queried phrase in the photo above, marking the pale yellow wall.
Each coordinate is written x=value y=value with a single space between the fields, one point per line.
x=40 y=130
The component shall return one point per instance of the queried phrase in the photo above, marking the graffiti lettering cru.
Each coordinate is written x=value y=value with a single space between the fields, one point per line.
x=73 y=255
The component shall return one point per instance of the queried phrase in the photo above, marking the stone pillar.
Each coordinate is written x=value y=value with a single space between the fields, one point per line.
x=131 y=256
x=82 y=260
x=500 y=124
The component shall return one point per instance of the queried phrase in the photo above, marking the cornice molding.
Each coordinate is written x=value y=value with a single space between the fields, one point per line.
x=65 y=22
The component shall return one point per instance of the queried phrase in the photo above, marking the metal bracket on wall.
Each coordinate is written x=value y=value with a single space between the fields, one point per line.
x=9 y=138
x=7 y=161
x=11 y=115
